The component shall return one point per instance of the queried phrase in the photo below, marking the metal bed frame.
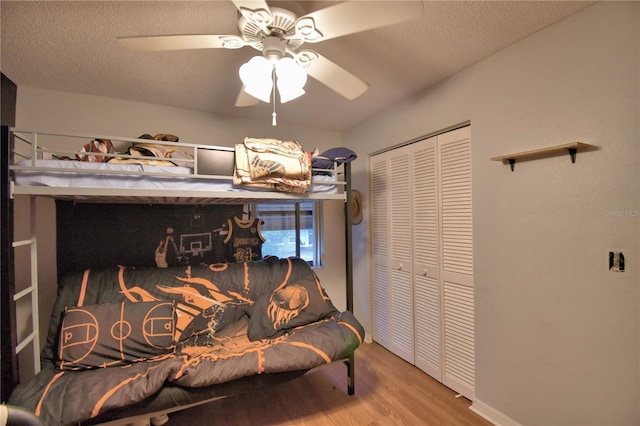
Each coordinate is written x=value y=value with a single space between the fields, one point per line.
x=11 y=347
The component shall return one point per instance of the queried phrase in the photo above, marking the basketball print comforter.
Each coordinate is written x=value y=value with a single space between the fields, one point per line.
x=119 y=337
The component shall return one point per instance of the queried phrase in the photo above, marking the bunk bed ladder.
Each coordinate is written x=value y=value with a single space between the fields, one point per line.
x=31 y=291
x=10 y=346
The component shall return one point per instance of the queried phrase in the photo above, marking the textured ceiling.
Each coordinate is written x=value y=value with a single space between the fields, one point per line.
x=72 y=46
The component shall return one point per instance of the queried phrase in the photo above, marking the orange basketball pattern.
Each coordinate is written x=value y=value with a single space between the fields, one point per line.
x=112 y=334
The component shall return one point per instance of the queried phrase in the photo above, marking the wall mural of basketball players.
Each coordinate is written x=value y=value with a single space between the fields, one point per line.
x=167 y=248
x=154 y=235
x=243 y=239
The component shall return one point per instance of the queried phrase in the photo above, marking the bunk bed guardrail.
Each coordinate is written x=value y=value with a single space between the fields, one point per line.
x=40 y=166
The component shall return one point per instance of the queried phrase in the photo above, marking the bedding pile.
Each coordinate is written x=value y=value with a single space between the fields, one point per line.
x=118 y=336
x=149 y=153
x=272 y=164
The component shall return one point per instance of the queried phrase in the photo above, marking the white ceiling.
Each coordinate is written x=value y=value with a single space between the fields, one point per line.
x=71 y=46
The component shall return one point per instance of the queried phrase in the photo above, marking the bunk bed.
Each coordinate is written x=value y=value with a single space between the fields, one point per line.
x=211 y=330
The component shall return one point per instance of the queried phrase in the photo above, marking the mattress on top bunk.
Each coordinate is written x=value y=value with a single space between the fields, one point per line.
x=82 y=174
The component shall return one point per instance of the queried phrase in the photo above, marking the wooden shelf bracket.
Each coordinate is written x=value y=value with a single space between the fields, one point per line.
x=571 y=148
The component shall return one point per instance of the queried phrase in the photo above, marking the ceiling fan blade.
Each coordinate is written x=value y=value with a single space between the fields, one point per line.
x=354 y=16
x=245 y=100
x=256 y=11
x=181 y=42
x=335 y=77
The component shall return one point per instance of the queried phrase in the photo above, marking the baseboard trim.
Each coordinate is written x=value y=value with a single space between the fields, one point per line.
x=491 y=414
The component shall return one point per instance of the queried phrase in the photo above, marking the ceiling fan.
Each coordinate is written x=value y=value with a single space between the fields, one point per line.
x=278 y=32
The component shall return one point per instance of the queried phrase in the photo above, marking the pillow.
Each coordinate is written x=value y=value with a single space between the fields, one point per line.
x=338 y=155
x=213 y=320
x=292 y=305
x=115 y=334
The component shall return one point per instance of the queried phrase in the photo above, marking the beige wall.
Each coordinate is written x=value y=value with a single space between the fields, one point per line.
x=557 y=334
x=47 y=110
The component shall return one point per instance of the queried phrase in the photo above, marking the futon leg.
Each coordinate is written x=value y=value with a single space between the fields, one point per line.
x=351 y=371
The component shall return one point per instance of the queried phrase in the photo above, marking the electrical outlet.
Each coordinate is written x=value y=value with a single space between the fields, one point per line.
x=616 y=261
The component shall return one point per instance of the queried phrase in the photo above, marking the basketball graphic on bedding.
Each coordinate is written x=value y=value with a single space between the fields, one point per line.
x=115 y=333
x=286 y=303
x=82 y=334
x=157 y=326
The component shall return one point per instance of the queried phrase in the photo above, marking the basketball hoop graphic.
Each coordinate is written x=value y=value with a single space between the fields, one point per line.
x=195 y=244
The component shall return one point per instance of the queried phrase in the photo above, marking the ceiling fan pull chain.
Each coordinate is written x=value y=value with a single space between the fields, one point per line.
x=273 y=94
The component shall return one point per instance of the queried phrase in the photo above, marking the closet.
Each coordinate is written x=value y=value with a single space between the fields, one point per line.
x=422 y=256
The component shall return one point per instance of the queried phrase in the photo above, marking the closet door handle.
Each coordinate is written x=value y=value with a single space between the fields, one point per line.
x=400 y=266
x=425 y=272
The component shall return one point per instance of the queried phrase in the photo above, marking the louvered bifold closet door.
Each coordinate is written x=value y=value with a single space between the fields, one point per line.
x=457 y=261
x=392 y=287
x=426 y=259
x=401 y=253
x=380 y=247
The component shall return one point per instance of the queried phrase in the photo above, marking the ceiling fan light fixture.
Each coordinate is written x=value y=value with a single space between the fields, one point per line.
x=256 y=76
x=289 y=93
x=290 y=80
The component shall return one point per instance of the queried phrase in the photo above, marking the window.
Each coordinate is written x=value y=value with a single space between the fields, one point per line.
x=292 y=229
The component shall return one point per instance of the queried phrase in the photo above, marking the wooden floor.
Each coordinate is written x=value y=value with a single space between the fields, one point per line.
x=389 y=391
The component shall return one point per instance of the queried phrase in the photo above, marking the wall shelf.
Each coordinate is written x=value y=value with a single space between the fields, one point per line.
x=571 y=148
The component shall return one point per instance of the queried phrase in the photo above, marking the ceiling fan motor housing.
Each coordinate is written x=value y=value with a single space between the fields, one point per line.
x=273 y=48
x=281 y=27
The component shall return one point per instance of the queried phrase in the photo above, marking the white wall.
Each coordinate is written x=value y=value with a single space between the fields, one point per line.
x=557 y=333
x=51 y=111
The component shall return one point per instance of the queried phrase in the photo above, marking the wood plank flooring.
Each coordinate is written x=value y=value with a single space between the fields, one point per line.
x=389 y=391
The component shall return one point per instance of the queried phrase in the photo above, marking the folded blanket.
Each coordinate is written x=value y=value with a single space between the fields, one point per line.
x=272 y=164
